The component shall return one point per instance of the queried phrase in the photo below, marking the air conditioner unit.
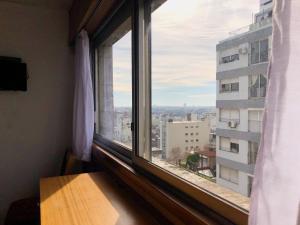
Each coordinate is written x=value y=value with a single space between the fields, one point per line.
x=232 y=124
x=243 y=51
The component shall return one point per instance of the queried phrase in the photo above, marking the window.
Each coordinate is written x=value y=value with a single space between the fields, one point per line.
x=225 y=88
x=255 y=121
x=229 y=115
x=228 y=59
x=229 y=87
x=235 y=87
x=184 y=90
x=113 y=82
x=259 y=51
x=171 y=88
x=229 y=174
x=252 y=154
x=257 y=86
x=229 y=145
x=234 y=147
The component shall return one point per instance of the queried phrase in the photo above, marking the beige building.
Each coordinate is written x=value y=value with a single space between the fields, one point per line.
x=183 y=137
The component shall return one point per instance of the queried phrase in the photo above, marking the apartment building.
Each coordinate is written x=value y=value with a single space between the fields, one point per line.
x=242 y=62
x=179 y=138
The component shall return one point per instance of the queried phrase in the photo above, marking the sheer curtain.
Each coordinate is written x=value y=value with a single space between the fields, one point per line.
x=83 y=117
x=275 y=198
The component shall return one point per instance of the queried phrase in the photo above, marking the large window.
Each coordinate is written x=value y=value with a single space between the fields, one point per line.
x=159 y=96
x=259 y=51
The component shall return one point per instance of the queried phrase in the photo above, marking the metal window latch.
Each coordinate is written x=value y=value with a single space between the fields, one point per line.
x=131 y=126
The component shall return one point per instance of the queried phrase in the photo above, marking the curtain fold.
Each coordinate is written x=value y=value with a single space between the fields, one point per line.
x=83 y=112
x=275 y=198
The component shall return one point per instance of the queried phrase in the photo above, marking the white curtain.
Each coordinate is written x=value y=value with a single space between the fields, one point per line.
x=83 y=117
x=275 y=198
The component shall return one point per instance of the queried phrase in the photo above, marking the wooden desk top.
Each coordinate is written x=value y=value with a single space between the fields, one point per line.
x=89 y=199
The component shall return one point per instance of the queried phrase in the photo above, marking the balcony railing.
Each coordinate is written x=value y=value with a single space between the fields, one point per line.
x=255 y=92
x=255 y=126
x=262 y=23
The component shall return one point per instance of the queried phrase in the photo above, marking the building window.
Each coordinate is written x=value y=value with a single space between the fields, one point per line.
x=259 y=51
x=231 y=58
x=257 y=86
x=252 y=152
x=229 y=145
x=229 y=174
x=255 y=120
x=229 y=115
x=186 y=134
x=229 y=87
x=234 y=147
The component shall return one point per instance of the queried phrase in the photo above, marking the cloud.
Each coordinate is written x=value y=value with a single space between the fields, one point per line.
x=184 y=39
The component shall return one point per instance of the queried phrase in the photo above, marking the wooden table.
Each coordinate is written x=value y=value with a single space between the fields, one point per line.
x=89 y=199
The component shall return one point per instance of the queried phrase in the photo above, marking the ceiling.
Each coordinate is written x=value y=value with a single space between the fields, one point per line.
x=53 y=4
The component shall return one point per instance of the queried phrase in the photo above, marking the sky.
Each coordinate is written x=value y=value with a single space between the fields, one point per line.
x=184 y=39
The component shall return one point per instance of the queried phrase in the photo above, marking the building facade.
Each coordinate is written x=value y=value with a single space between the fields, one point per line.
x=242 y=62
x=179 y=138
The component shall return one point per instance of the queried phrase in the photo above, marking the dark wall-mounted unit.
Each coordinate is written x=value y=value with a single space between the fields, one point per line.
x=13 y=74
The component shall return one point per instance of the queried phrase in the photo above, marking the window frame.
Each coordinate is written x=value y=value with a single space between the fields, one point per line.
x=141 y=77
x=122 y=13
x=259 y=51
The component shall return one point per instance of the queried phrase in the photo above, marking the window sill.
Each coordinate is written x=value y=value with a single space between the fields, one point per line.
x=171 y=207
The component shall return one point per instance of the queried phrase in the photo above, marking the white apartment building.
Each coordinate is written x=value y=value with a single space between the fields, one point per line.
x=242 y=62
x=179 y=138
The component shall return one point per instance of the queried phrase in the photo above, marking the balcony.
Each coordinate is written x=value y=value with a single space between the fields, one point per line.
x=257 y=92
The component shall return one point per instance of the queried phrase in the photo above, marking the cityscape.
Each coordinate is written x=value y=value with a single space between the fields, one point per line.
x=218 y=143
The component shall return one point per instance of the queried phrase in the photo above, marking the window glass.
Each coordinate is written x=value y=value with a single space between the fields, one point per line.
x=255 y=52
x=192 y=47
x=264 y=50
x=114 y=90
x=235 y=87
x=259 y=51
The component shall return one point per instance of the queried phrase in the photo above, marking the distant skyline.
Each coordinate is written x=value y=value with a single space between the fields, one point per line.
x=184 y=39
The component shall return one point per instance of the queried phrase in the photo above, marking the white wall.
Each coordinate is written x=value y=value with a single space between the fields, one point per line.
x=35 y=126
